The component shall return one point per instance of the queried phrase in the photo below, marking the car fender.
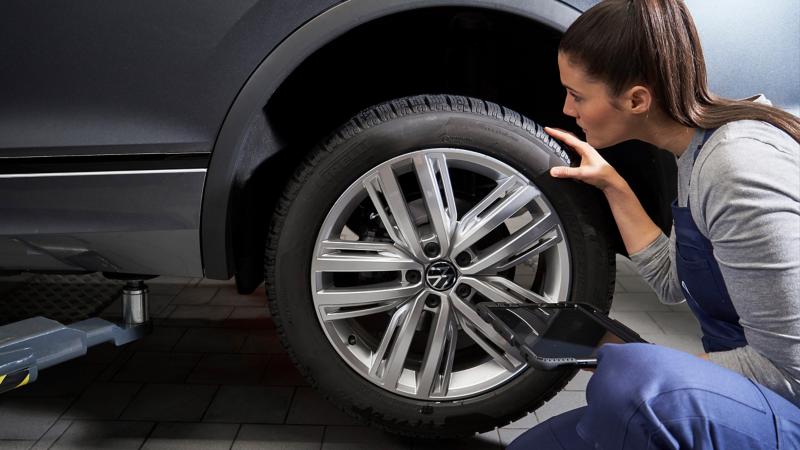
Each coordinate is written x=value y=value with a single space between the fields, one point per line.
x=216 y=239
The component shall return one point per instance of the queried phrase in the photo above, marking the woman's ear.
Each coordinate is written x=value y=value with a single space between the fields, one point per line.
x=638 y=100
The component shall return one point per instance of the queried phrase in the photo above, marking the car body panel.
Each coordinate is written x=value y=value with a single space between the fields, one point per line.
x=137 y=222
x=114 y=77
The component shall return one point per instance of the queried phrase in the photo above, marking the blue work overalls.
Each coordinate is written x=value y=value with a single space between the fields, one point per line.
x=650 y=397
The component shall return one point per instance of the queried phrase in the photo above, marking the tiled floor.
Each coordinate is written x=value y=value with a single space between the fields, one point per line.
x=213 y=375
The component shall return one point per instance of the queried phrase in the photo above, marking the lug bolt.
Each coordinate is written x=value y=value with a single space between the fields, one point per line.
x=463 y=259
x=432 y=249
x=351 y=340
x=432 y=301
x=463 y=291
x=413 y=276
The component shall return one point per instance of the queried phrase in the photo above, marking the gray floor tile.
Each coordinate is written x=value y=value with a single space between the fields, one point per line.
x=29 y=418
x=507 y=435
x=310 y=408
x=52 y=435
x=265 y=341
x=363 y=438
x=163 y=339
x=563 y=401
x=160 y=317
x=228 y=296
x=214 y=340
x=250 y=404
x=638 y=301
x=194 y=295
x=639 y=322
x=484 y=441
x=198 y=316
x=115 y=367
x=103 y=401
x=103 y=435
x=688 y=343
x=158 y=367
x=62 y=381
x=618 y=289
x=209 y=282
x=166 y=285
x=676 y=322
x=526 y=422
x=191 y=436
x=249 y=317
x=231 y=369
x=579 y=382
x=281 y=371
x=278 y=437
x=170 y=403
x=634 y=284
x=159 y=302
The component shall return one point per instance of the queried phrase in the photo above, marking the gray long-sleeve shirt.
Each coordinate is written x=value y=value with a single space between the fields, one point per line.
x=745 y=198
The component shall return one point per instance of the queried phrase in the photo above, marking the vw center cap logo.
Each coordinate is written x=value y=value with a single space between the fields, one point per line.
x=441 y=276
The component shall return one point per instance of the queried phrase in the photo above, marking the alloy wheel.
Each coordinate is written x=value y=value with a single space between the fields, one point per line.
x=409 y=250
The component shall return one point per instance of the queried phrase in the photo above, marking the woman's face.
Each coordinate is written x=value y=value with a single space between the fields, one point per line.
x=589 y=104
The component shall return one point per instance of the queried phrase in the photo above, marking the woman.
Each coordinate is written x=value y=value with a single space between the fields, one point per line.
x=634 y=69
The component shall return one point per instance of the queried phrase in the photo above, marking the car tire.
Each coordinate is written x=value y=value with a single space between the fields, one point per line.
x=459 y=127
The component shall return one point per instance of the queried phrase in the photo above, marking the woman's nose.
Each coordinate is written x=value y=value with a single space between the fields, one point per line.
x=569 y=109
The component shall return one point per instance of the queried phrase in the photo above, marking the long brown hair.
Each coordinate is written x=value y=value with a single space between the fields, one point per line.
x=655 y=42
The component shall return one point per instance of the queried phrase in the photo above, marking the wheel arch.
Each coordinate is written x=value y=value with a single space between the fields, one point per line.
x=250 y=154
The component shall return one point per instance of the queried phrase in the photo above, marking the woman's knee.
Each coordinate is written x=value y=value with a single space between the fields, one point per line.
x=629 y=374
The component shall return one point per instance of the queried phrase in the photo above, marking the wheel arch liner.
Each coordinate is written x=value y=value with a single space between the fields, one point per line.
x=216 y=238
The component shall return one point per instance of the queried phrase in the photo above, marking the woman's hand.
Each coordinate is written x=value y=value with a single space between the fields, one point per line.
x=636 y=228
x=594 y=169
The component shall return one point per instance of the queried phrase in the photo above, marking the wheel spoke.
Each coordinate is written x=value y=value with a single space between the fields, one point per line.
x=485 y=336
x=373 y=187
x=359 y=295
x=505 y=254
x=355 y=256
x=441 y=211
x=402 y=230
x=393 y=349
x=437 y=366
x=499 y=289
x=539 y=247
x=511 y=195
x=339 y=312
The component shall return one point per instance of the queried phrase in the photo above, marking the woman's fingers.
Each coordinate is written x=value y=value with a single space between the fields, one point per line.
x=565 y=172
x=568 y=138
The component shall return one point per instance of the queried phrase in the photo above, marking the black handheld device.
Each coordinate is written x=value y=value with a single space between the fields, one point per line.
x=556 y=335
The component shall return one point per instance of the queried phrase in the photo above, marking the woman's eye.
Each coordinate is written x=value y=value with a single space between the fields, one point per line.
x=577 y=99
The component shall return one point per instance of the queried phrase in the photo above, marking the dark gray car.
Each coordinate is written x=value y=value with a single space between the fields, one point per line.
x=379 y=163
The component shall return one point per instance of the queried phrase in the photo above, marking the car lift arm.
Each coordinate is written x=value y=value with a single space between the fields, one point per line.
x=38 y=343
